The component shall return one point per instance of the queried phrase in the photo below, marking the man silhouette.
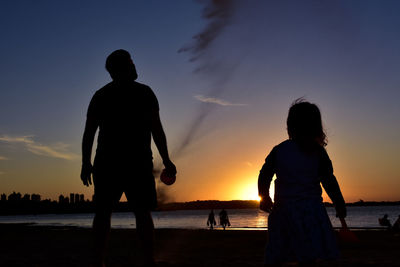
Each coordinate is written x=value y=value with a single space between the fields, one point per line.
x=127 y=115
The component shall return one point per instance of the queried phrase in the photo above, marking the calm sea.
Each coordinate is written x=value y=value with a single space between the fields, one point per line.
x=365 y=217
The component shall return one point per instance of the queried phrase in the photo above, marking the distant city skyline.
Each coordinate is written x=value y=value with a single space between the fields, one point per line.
x=17 y=196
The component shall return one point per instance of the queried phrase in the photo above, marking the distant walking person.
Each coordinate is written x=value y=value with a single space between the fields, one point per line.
x=384 y=221
x=299 y=228
x=211 y=220
x=224 y=219
x=127 y=115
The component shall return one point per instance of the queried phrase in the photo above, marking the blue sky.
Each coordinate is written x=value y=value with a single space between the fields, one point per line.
x=342 y=55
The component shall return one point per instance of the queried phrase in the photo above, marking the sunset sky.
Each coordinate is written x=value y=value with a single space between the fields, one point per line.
x=342 y=55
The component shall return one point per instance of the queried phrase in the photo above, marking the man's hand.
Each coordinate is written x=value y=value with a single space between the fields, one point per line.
x=266 y=204
x=170 y=169
x=86 y=174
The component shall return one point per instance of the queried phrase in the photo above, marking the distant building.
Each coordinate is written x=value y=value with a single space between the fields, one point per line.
x=35 y=198
x=61 y=199
x=3 y=198
x=66 y=200
x=26 y=197
x=71 y=198
x=76 y=198
x=81 y=198
x=14 y=197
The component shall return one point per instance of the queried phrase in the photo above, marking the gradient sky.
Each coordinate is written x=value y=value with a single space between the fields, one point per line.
x=342 y=55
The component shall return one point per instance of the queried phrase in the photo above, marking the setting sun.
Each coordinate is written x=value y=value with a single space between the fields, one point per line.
x=249 y=192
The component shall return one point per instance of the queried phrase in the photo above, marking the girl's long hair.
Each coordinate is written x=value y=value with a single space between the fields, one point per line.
x=304 y=125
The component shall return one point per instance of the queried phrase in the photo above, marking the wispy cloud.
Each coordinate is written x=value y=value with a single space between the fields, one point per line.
x=217 y=101
x=248 y=164
x=58 y=150
x=3 y=158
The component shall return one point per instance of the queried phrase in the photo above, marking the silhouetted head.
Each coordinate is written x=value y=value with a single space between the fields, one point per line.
x=120 y=66
x=385 y=216
x=304 y=125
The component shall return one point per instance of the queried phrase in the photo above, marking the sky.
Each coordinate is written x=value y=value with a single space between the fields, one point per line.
x=258 y=57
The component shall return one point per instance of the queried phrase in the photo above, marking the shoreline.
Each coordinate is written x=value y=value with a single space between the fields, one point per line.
x=35 y=245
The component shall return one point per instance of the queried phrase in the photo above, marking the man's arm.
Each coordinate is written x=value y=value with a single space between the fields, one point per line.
x=161 y=142
x=87 y=144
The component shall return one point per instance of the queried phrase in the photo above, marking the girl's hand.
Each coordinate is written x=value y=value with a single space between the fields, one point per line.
x=266 y=204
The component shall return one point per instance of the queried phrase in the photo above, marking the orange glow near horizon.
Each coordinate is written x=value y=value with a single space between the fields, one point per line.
x=249 y=192
x=231 y=178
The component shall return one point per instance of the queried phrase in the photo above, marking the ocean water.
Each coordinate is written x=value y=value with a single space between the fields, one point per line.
x=358 y=217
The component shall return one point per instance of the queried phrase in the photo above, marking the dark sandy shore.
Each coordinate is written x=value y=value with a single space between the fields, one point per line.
x=25 y=245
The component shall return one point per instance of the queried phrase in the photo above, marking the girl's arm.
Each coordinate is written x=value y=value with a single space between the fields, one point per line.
x=264 y=180
x=331 y=186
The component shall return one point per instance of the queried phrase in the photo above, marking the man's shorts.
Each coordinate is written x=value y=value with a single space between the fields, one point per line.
x=138 y=186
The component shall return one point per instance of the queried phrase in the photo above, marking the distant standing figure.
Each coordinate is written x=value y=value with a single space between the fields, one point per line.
x=211 y=220
x=384 y=221
x=299 y=228
x=127 y=116
x=224 y=219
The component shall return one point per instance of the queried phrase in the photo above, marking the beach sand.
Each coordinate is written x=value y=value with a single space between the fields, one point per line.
x=27 y=245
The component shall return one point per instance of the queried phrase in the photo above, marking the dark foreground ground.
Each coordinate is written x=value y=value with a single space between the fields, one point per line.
x=25 y=245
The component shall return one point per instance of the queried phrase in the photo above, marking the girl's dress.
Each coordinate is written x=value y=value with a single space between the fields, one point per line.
x=299 y=228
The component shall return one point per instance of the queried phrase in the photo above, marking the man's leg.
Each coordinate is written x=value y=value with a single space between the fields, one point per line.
x=101 y=229
x=106 y=196
x=145 y=231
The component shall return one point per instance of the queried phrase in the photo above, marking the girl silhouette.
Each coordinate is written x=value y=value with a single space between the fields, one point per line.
x=298 y=225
